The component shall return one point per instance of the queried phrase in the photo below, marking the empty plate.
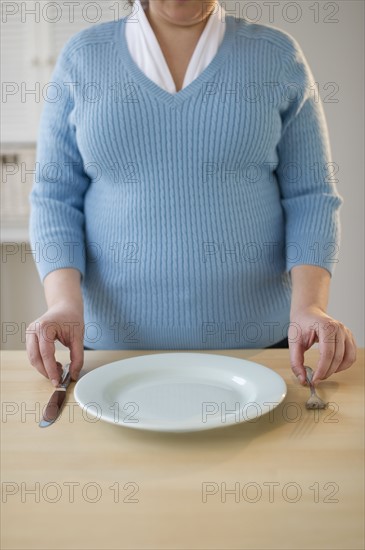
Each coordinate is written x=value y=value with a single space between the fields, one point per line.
x=179 y=392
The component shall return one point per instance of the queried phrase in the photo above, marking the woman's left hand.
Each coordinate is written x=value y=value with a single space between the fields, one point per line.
x=337 y=346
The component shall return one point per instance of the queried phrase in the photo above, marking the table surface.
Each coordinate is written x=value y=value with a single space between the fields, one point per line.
x=291 y=479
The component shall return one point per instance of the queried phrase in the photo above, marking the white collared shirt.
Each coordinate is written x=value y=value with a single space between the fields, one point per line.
x=147 y=54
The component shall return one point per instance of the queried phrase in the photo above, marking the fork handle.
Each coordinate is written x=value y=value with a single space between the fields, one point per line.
x=309 y=377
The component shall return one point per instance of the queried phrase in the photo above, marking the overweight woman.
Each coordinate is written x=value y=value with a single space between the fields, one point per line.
x=185 y=194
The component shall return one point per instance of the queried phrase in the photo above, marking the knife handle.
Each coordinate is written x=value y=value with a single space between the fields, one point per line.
x=66 y=378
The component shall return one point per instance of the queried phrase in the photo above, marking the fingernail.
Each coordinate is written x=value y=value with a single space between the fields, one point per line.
x=54 y=382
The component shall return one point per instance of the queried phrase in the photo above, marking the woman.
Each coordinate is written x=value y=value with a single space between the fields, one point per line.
x=184 y=199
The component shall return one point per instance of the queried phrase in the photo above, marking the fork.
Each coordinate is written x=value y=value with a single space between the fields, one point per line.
x=314 y=402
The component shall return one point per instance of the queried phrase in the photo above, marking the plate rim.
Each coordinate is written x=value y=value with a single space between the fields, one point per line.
x=189 y=429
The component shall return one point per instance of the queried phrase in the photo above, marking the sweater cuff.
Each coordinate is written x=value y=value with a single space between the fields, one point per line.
x=58 y=255
x=311 y=249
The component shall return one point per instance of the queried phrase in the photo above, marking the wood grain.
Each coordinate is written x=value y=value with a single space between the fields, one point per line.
x=293 y=479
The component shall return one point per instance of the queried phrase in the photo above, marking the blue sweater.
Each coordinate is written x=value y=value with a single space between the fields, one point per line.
x=184 y=212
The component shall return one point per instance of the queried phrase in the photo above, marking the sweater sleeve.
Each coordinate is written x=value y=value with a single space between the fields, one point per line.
x=56 y=224
x=306 y=173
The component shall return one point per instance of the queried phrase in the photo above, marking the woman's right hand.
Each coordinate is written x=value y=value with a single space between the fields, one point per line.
x=63 y=322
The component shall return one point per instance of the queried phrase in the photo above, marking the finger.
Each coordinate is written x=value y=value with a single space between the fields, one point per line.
x=339 y=354
x=350 y=352
x=47 y=349
x=296 y=352
x=77 y=357
x=34 y=356
x=313 y=338
x=327 y=347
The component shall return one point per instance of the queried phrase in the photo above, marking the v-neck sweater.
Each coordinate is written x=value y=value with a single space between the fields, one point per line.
x=185 y=212
x=148 y=56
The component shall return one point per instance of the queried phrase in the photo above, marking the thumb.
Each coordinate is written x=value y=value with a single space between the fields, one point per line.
x=77 y=357
x=296 y=352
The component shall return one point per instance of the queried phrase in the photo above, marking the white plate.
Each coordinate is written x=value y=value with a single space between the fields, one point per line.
x=179 y=392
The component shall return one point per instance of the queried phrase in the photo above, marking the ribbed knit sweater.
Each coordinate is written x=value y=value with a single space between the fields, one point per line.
x=184 y=212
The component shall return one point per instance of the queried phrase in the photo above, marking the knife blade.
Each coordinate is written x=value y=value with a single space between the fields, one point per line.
x=56 y=402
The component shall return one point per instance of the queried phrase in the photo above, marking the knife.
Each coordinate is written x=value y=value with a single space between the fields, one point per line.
x=56 y=402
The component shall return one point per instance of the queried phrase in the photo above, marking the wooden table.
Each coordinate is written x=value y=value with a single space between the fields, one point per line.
x=291 y=480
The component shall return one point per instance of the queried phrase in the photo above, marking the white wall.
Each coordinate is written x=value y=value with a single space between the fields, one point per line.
x=335 y=52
